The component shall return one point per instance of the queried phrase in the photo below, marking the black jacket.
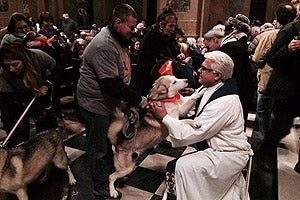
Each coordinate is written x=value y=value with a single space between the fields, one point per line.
x=288 y=62
x=241 y=71
x=154 y=46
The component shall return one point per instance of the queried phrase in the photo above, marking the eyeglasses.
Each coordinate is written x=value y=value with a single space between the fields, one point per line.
x=202 y=68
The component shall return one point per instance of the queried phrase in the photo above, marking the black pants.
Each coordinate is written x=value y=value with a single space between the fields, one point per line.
x=283 y=121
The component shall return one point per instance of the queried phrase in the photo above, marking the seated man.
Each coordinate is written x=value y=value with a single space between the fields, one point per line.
x=216 y=172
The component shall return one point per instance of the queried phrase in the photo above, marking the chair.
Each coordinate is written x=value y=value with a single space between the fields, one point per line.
x=247 y=172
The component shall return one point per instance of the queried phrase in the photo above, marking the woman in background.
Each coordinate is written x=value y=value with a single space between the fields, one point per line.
x=24 y=76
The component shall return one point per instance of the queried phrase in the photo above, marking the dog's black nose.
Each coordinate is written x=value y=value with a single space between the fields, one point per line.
x=135 y=155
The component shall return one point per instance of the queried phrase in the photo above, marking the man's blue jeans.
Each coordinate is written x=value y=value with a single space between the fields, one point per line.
x=99 y=149
x=264 y=107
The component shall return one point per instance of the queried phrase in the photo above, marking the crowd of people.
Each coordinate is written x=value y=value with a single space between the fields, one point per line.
x=236 y=62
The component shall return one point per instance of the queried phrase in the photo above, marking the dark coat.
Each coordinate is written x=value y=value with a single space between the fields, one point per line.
x=241 y=71
x=154 y=46
x=289 y=62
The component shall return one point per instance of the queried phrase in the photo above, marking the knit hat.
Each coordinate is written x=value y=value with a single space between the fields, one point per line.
x=241 y=22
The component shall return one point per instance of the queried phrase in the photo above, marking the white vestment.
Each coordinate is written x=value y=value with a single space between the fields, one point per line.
x=215 y=173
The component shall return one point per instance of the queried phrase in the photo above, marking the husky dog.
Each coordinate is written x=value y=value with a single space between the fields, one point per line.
x=150 y=131
x=22 y=164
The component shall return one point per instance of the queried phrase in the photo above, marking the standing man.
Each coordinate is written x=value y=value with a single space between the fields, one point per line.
x=103 y=83
x=69 y=26
x=283 y=57
x=264 y=106
x=214 y=40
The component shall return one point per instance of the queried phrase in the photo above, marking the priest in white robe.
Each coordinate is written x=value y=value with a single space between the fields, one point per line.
x=216 y=172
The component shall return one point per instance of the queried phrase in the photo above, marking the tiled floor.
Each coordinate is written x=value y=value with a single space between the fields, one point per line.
x=147 y=180
x=288 y=179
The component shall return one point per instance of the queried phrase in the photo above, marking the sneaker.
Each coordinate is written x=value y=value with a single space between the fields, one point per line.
x=104 y=193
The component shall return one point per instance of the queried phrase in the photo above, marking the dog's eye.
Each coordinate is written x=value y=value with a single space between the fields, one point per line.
x=174 y=82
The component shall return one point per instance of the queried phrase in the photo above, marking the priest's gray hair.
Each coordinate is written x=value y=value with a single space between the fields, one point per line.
x=222 y=63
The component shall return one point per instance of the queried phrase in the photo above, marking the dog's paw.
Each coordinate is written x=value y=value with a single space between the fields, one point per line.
x=115 y=194
x=196 y=124
x=193 y=123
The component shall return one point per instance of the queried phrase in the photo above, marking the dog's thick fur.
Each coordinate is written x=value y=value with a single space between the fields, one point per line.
x=22 y=164
x=150 y=132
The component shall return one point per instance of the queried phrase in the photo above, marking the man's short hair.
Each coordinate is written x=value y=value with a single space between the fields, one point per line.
x=285 y=13
x=213 y=33
x=123 y=11
x=222 y=63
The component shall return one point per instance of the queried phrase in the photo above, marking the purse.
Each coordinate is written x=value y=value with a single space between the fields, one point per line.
x=280 y=86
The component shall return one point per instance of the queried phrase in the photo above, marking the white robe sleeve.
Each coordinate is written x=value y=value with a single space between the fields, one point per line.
x=217 y=117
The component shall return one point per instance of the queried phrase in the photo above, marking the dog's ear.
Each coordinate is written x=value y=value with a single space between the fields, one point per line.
x=158 y=92
x=162 y=89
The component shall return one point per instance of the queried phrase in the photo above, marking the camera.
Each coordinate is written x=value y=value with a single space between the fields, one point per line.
x=297 y=37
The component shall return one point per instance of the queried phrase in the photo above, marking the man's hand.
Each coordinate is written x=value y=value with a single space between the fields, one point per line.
x=145 y=103
x=42 y=91
x=34 y=43
x=187 y=91
x=294 y=45
x=181 y=56
x=158 y=110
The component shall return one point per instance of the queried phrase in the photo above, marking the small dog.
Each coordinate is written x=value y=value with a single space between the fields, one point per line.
x=150 y=132
x=23 y=164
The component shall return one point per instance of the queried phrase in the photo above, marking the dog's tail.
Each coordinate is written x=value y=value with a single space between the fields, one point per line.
x=116 y=125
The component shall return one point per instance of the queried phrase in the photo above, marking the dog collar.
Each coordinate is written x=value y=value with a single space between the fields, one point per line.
x=172 y=99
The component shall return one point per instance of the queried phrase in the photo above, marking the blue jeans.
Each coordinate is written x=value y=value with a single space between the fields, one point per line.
x=264 y=107
x=99 y=149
